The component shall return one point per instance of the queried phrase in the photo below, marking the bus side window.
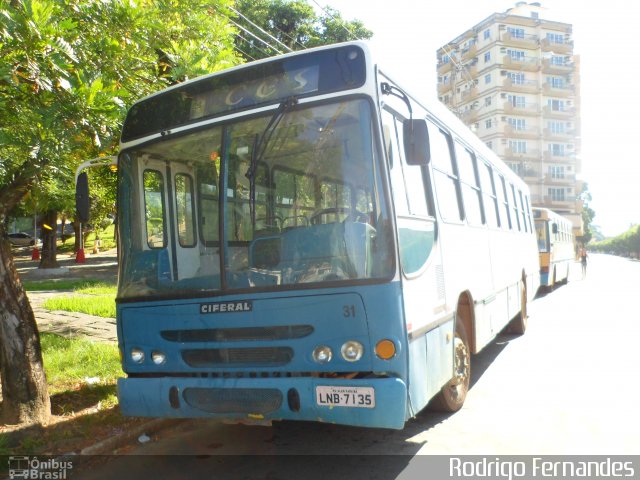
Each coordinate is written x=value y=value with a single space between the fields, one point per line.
x=504 y=203
x=397 y=177
x=413 y=179
x=514 y=207
x=489 y=194
x=154 y=208
x=445 y=177
x=469 y=185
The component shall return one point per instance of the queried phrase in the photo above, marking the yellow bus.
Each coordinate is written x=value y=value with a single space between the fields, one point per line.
x=556 y=247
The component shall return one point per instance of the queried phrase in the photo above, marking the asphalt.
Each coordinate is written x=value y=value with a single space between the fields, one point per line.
x=97 y=266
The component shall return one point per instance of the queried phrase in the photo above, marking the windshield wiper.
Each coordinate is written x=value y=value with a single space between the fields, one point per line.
x=259 y=148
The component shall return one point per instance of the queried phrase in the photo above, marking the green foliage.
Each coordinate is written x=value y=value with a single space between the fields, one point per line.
x=98 y=305
x=626 y=244
x=293 y=23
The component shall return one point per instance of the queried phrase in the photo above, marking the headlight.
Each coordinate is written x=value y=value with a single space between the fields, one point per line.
x=385 y=349
x=352 y=351
x=158 y=357
x=137 y=355
x=322 y=354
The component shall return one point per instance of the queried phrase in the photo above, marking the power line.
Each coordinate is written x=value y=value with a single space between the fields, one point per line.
x=265 y=53
x=250 y=33
x=324 y=9
x=263 y=31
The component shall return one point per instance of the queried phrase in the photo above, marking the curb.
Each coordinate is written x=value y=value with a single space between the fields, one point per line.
x=110 y=444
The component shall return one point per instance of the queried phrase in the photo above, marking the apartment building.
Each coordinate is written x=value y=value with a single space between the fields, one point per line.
x=514 y=80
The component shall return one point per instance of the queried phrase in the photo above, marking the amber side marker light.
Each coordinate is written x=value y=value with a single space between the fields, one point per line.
x=385 y=349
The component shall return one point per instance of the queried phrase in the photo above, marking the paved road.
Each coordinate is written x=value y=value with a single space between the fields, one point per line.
x=569 y=386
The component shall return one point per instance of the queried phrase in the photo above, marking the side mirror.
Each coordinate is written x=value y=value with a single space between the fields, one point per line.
x=416 y=141
x=82 y=198
x=554 y=228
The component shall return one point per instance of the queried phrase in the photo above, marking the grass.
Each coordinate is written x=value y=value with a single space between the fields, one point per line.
x=81 y=377
x=93 y=299
x=59 y=284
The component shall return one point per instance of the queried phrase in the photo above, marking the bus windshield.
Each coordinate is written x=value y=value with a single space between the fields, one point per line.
x=203 y=212
x=543 y=235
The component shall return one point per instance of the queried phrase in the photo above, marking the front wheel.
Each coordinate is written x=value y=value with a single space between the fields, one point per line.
x=452 y=396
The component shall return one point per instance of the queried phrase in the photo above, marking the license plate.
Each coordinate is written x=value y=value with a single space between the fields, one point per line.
x=362 y=397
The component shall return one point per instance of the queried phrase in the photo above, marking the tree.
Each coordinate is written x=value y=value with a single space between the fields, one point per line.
x=268 y=27
x=68 y=71
x=588 y=214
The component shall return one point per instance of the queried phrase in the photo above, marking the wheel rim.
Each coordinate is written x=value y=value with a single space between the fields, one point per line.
x=460 y=381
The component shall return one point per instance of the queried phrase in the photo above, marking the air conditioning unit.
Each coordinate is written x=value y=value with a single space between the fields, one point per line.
x=503 y=95
x=503 y=141
x=503 y=73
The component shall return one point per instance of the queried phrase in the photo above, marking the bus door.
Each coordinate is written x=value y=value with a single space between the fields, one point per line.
x=421 y=271
x=168 y=203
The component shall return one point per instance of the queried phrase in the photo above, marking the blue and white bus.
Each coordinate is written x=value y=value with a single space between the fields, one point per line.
x=302 y=239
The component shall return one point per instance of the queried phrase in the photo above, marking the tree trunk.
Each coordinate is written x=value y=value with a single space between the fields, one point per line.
x=48 y=259
x=25 y=397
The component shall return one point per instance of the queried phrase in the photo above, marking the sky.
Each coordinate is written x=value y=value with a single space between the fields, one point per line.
x=407 y=34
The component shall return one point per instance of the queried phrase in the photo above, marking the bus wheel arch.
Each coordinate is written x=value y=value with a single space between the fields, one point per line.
x=518 y=325
x=452 y=396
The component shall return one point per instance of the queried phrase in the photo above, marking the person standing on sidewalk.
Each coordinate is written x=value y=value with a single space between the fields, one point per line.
x=583 y=261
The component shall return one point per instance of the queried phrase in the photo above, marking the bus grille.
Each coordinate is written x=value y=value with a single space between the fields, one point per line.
x=233 y=400
x=240 y=357
x=238 y=334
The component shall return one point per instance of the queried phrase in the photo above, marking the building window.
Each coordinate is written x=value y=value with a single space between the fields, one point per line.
x=555 y=37
x=516 y=32
x=516 y=78
x=518 y=146
x=556 y=82
x=517 y=101
x=487 y=78
x=487 y=34
x=487 y=57
x=487 y=124
x=557 y=60
x=556 y=127
x=556 y=194
x=517 y=123
x=556 y=105
x=556 y=149
x=556 y=171
x=446 y=59
x=516 y=55
x=489 y=144
x=487 y=101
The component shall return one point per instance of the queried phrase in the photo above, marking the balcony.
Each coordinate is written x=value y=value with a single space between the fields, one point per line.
x=555 y=91
x=548 y=112
x=469 y=116
x=530 y=109
x=444 y=87
x=527 y=86
x=527 y=132
x=566 y=136
x=530 y=154
x=526 y=64
x=444 y=67
x=469 y=94
x=566 y=158
x=567 y=180
x=526 y=41
x=469 y=52
x=565 y=48
x=555 y=69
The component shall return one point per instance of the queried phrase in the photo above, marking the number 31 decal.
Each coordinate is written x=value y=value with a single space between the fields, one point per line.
x=349 y=311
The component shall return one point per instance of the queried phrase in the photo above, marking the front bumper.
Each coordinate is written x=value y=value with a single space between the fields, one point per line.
x=260 y=399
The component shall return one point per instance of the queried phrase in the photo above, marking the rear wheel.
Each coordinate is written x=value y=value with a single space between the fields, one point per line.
x=452 y=396
x=519 y=324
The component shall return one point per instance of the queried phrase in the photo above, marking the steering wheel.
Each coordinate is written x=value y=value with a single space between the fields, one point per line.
x=353 y=215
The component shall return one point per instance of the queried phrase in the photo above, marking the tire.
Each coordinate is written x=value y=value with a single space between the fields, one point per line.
x=453 y=394
x=518 y=325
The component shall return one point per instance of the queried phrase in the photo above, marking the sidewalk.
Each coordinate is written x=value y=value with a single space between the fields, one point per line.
x=99 y=266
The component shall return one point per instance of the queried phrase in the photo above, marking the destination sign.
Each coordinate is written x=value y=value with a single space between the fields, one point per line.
x=264 y=83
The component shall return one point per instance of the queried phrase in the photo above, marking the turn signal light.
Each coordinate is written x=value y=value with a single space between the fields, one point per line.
x=385 y=349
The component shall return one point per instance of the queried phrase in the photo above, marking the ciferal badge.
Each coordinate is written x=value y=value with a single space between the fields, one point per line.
x=227 y=307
